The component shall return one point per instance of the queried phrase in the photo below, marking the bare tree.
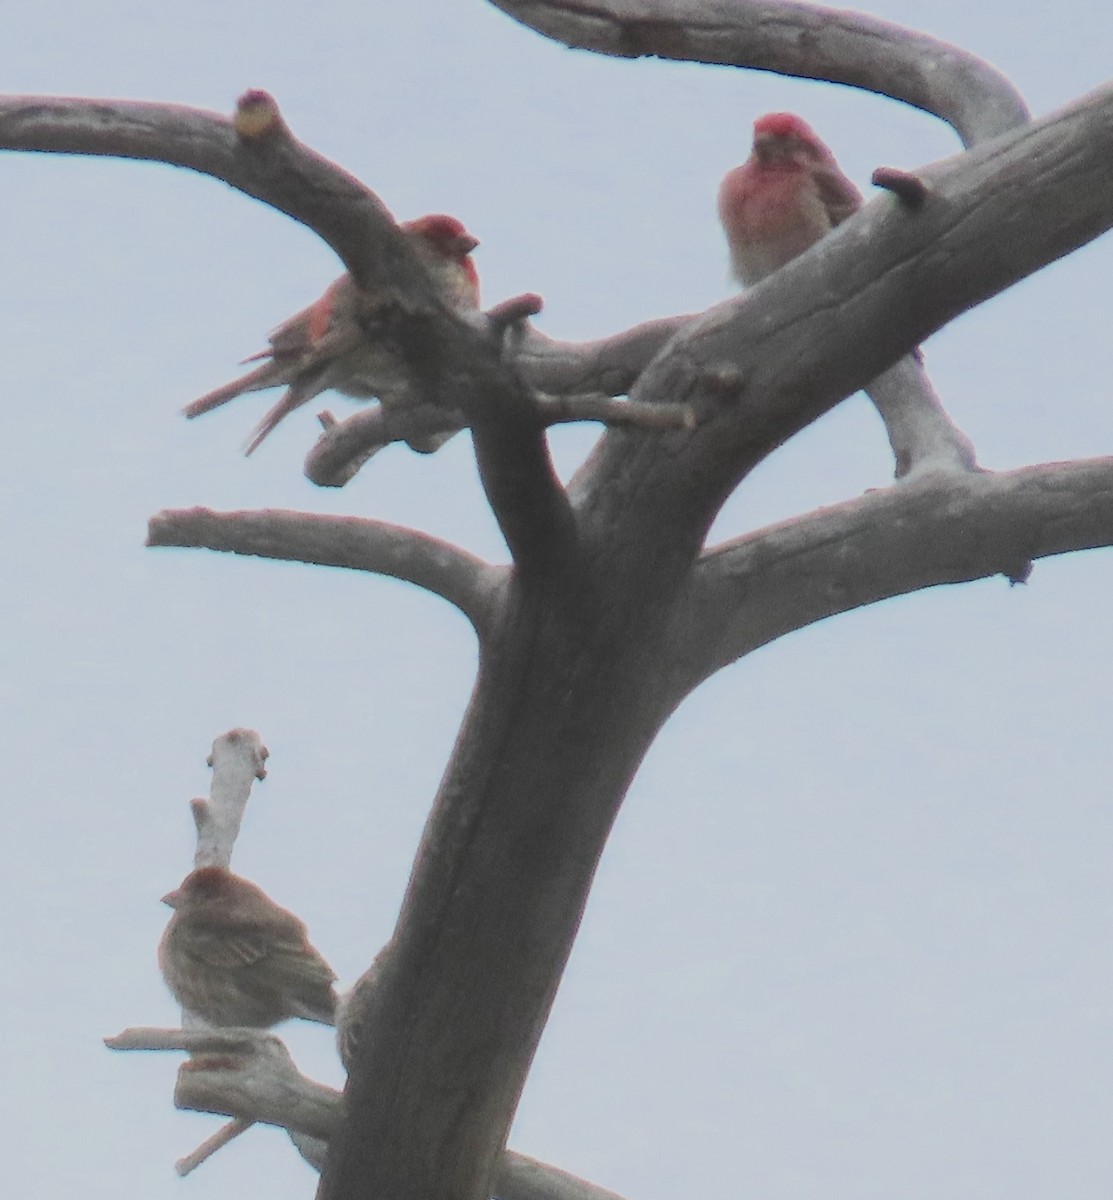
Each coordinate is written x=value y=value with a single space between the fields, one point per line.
x=614 y=608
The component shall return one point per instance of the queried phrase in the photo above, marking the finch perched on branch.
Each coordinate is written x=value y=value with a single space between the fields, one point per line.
x=324 y=346
x=231 y=956
x=783 y=198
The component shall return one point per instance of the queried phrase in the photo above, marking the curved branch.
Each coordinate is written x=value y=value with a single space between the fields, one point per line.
x=347 y=445
x=610 y=365
x=261 y=159
x=330 y=541
x=789 y=38
x=936 y=530
x=922 y=435
x=518 y=1177
x=848 y=308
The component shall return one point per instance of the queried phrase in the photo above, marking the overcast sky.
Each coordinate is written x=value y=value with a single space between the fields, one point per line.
x=850 y=939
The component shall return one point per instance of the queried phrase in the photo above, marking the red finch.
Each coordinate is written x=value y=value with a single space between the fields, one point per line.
x=783 y=198
x=231 y=956
x=324 y=345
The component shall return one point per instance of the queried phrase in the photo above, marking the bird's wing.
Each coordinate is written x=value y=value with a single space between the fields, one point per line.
x=301 y=962
x=298 y=335
x=307 y=336
x=306 y=330
x=225 y=948
x=286 y=949
x=840 y=197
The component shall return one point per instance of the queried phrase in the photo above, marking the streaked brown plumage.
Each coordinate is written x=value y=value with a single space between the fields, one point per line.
x=231 y=956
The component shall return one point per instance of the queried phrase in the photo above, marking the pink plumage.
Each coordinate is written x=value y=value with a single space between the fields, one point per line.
x=783 y=198
x=325 y=346
x=783 y=125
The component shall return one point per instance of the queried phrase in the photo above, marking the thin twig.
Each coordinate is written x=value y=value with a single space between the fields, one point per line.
x=211 y=1145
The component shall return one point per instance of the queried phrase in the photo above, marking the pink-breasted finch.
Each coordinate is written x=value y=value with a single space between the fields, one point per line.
x=231 y=956
x=783 y=198
x=324 y=346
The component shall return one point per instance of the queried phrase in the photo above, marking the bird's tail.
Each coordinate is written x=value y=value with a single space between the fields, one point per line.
x=300 y=392
x=270 y=374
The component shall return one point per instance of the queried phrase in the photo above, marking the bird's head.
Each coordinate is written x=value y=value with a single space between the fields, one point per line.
x=445 y=234
x=781 y=137
x=204 y=884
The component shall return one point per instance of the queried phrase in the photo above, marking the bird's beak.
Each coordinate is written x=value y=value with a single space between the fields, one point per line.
x=465 y=243
x=171 y=898
x=772 y=147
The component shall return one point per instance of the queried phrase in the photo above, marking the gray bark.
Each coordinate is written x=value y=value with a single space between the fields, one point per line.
x=613 y=610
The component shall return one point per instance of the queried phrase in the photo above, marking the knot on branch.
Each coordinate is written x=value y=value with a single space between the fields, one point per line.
x=513 y=312
x=257 y=115
x=1018 y=573
x=910 y=189
x=724 y=382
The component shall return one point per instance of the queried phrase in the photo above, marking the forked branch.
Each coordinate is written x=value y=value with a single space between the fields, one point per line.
x=249 y=1076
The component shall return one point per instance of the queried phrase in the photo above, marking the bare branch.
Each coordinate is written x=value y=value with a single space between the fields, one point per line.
x=262 y=160
x=237 y=760
x=347 y=445
x=520 y=1178
x=243 y=1073
x=935 y=530
x=517 y=472
x=225 y=1134
x=154 y=1037
x=790 y=38
x=907 y=186
x=559 y=410
x=610 y=365
x=257 y=154
x=514 y=311
x=249 y=1075
x=331 y=541
x=920 y=431
x=852 y=305
x=922 y=435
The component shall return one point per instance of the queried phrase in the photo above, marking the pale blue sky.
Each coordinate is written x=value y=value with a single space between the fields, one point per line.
x=851 y=937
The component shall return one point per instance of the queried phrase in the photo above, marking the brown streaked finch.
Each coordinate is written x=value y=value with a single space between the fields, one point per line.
x=324 y=346
x=783 y=198
x=231 y=956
